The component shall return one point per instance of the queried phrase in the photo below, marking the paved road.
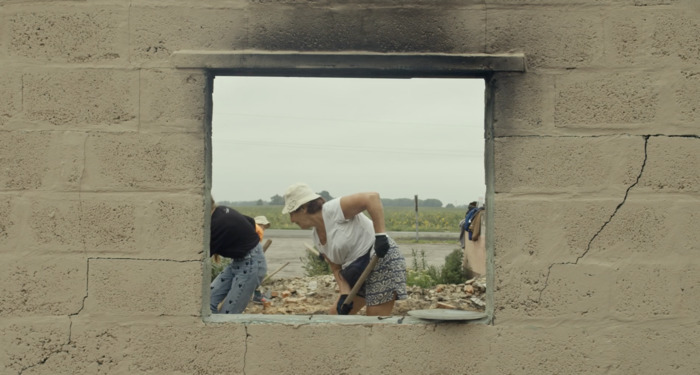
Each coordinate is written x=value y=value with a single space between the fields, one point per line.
x=288 y=246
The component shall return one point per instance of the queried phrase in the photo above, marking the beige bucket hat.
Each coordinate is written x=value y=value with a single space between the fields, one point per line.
x=296 y=195
x=261 y=220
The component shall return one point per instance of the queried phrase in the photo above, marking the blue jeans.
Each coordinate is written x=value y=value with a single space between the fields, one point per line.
x=237 y=282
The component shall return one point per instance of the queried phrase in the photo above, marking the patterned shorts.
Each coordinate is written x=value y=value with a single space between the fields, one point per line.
x=387 y=278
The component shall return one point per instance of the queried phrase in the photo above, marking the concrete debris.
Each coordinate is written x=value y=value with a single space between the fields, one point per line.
x=317 y=295
x=469 y=289
x=478 y=301
x=441 y=305
x=313 y=285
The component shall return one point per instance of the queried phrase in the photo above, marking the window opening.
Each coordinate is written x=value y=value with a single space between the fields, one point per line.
x=404 y=138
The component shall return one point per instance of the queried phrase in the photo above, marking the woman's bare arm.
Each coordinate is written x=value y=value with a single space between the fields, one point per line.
x=355 y=204
x=342 y=284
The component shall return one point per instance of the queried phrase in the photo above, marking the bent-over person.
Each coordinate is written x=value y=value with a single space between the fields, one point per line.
x=233 y=236
x=346 y=239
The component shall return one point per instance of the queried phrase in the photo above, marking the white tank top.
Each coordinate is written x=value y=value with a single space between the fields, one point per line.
x=346 y=239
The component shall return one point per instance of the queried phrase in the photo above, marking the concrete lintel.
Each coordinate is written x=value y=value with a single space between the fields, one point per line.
x=348 y=64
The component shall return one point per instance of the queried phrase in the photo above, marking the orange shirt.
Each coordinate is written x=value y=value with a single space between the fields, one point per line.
x=260 y=231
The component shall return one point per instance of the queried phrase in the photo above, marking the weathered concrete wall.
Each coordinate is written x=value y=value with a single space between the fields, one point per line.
x=104 y=176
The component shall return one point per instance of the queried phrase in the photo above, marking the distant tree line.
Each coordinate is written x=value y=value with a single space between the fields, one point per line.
x=278 y=200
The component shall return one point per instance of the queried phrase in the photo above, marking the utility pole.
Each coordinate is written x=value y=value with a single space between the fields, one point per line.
x=415 y=198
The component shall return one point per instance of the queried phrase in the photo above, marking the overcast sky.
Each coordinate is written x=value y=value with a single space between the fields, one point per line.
x=399 y=137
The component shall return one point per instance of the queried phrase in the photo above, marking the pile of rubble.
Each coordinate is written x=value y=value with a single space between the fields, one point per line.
x=316 y=295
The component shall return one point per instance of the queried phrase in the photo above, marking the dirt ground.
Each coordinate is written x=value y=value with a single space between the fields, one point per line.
x=316 y=295
x=289 y=292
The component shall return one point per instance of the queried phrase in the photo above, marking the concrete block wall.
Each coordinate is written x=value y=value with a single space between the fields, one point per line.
x=595 y=197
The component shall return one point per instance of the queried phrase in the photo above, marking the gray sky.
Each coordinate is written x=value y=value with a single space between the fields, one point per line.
x=399 y=137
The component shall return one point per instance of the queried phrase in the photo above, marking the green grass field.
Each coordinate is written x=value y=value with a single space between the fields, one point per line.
x=397 y=219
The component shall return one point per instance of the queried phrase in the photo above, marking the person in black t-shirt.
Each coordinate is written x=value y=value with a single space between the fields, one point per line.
x=233 y=236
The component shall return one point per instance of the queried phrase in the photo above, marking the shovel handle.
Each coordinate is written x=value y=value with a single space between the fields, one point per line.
x=273 y=274
x=361 y=280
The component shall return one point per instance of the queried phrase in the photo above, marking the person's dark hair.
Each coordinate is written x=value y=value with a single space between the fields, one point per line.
x=315 y=205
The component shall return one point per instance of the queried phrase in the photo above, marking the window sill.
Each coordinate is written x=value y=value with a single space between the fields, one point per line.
x=330 y=319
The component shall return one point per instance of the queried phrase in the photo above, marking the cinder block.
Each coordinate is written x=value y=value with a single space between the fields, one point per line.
x=607 y=100
x=523 y=104
x=461 y=29
x=293 y=342
x=37 y=285
x=79 y=99
x=174 y=99
x=630 y=36
x=172 y=227
x=25 y=160
x=10 y=96
x=97 y=346
x=82 y=223
x=517 y=290
x=684 y=106
x=577 y=291
x=43 y=160
x=102 y=344
x=193 y=347
x=547 y=230
x=110 y=345
x=567 y=164
x=672 y=165
x=571 y=2
x=674 y=36
x=75 y=34
x=649 y=230
x=145 y=162
x=108 y=226
x=532 y=349
x=690 y=290
x=128 y=287
x=7 y=219
x=65 y=160
x=116 y=225
x=159 y=31
x=431 y=351
x=549 y=37
x=374 y=3
x=384 y=29
x=648 y=36
x=643 y=292
x=26 y=343
x=309 y=28
x=538 y=290
x=56 y=224
x=659 y=347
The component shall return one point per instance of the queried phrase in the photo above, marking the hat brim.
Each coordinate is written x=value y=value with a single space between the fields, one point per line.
x=294 y=205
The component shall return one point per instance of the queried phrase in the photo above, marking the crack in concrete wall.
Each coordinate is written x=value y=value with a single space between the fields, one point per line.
x=588 y=247
x=46 y=358
x=82 y=307
x=245 y=349
x=70 y=322
x=41 y=362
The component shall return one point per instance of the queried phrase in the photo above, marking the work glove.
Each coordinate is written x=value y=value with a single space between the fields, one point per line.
x=343 y=309
x=381 y=244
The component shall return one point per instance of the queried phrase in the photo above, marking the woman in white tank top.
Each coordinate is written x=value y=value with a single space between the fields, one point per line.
x=346 y=239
